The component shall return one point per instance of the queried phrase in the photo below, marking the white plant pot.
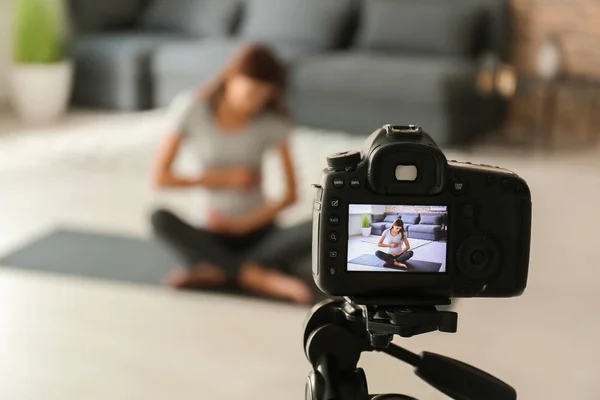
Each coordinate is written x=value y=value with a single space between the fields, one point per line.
x=366 y=231
x=40 y=92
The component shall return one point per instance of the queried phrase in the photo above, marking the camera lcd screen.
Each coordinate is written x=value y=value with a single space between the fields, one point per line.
x=392 y=238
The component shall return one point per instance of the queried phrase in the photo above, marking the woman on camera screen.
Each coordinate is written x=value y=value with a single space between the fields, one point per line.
x=230 y=125
x=396 y=242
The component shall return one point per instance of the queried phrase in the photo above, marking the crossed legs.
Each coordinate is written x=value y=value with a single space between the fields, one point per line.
x=398 y=261
x=210 y=260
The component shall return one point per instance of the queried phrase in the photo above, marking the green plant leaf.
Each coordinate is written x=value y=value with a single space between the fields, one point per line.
x=39 y=35
x=366 y=221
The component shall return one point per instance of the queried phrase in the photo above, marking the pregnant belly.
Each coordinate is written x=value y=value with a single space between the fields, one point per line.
x=234 y=203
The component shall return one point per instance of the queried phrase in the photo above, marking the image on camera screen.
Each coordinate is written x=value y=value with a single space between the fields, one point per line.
x=392 y=238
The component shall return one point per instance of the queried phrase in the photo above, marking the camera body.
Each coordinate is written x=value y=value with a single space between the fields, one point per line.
x=399 y=220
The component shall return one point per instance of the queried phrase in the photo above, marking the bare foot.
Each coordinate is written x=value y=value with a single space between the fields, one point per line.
x=200 y=276
x=274 y=284
x=399 y=264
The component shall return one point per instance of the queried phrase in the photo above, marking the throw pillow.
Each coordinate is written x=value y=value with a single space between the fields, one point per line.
x=193 y=17
x=420 y=27
x=390 y=218
x=316 y=24
x=410 y=218
x=378 y=217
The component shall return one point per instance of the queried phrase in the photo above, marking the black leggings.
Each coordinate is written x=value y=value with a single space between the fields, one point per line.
x=389 y=259
x=269 y=246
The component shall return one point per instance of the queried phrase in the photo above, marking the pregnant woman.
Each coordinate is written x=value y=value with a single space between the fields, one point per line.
x=230 y=126
x=397 y=245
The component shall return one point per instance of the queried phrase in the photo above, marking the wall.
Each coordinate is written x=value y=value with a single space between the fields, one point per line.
x=366 y=209
x=575 y=23
x=356 y=215
x=354 y=224
x=5 y=8
x=411 y=209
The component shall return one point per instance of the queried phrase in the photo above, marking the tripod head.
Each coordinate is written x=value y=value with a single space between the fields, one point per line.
x=338 y=331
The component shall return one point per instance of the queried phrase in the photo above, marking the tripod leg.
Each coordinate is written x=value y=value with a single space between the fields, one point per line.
x=327 y=382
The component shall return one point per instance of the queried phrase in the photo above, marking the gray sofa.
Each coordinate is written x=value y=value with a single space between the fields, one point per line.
x=428 y=228
x=355 y=64
x=417 y=226
x=383 y=222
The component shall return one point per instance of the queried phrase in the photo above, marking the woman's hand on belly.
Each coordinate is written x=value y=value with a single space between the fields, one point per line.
x=235 y=177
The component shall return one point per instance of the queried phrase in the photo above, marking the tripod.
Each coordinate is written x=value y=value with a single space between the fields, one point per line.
x=338 y=331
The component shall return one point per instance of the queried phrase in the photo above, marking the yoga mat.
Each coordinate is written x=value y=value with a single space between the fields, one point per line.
x=371 y=260
x=105 y=256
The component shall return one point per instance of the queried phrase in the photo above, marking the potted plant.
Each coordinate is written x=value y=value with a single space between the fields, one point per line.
x=366 y=225
x=41 y=75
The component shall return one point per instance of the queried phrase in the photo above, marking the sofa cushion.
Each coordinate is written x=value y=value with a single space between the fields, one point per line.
x=123 y=53
x=390 y=218
x=193 y=17
x=421 y=27
x=418 y=79
x=378 y=217
x=318 y=24
x=422 y=228
x=410 y=218
x=431 y=219
x=94 y=15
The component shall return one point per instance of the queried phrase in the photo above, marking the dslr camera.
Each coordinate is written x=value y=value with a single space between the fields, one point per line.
x=398 y=220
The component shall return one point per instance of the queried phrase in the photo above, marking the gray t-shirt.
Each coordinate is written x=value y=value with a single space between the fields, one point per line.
x=192 y=118
x=389 y=239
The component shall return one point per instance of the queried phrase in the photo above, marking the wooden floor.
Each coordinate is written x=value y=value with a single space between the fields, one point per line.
x=66 y=338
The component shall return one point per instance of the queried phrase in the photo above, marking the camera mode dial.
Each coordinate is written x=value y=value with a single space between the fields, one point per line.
x=344 y=160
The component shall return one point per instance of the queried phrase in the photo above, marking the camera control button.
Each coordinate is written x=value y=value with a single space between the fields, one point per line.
x=334 y=220
x=332 y=271
x=317 y=206
x=334 y=203
x=478 y=257
x=332 y=254
x=458 y=187
x=509 y=185
x=355 y=183
x=338 y=182
x=520 y=188
x=333 y=237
